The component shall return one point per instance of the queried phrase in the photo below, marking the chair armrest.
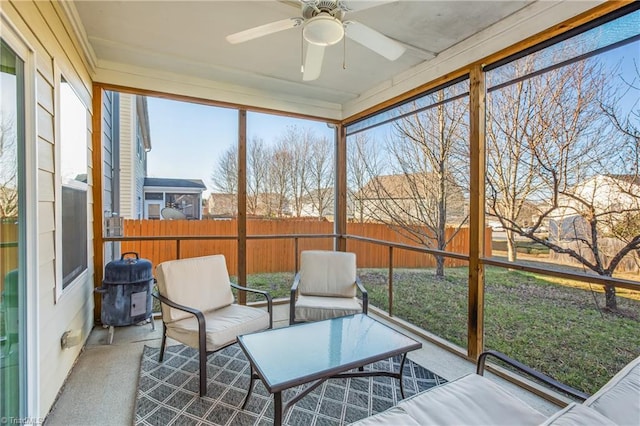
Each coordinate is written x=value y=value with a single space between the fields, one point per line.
x=202 y=328
x=365 y=296
x=292 y=300
x=262 y=292
x=575 y=393
x=175 y=305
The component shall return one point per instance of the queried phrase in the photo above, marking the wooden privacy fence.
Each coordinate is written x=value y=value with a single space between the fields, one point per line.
x=8 y=247
x=268 y=250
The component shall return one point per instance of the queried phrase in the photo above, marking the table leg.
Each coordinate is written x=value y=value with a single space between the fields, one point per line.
x=277 y=409
x=404 y=357
x=246 y=398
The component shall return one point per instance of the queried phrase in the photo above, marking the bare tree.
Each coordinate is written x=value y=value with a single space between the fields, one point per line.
x=279 y=178
x=513 y=128
x=362 y=166
x=320 y=177
x=8 y=168
x=296 y=142
x=225 y=174
x=427 y=153
x=561 y=141
x=257 y=170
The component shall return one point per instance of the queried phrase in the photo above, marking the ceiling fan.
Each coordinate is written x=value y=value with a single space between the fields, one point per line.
x=323 y=25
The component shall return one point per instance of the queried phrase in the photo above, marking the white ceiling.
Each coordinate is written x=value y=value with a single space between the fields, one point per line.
x=188 y=38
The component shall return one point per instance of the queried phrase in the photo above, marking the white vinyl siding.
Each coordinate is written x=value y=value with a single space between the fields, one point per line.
x=39 y=24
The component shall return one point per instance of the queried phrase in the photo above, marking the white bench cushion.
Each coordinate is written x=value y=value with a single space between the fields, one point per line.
x=223 y=325
x=619 y=398
x=394 y=416
x=578 y=415
x=469 y=400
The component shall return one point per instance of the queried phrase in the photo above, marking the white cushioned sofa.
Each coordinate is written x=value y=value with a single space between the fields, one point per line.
x=476 y=400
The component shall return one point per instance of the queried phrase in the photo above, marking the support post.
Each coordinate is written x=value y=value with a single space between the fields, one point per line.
x=477 y=104
x=96 y=190
x=390 y=281
x=242 y=204
x=340 y=207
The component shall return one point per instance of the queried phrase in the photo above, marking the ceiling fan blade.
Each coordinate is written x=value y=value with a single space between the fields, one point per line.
x=313 y=62
x=357 y=5
x=263 y=30
x=372 y=39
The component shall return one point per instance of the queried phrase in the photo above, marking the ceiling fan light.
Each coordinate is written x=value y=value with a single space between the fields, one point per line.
x=323 y=30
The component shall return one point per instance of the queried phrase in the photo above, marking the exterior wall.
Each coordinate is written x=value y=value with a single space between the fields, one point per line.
x=140 y=172
x=132 y=160
x=108 y=154
x=110 y=166
x=55 y=55
x=127 y=154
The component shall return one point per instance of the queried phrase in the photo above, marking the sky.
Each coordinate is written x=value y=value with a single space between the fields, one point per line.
x=187 y=139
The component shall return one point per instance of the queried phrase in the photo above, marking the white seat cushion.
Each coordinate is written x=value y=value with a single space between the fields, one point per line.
x=198 y=282
x=470 y=400
x=223 y=325
x=619 y=399
x=315 y=308
x=578 y=415
x=394 y=416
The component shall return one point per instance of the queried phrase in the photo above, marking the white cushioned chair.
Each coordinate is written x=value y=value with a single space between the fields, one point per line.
x=326 y=287
x=198 y=308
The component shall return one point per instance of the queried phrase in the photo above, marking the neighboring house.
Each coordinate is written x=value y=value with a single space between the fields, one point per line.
x=221 y=205
x=135 y=143
x=184 y=195
x=613 y=197
x=407 y=198
x=268 y=205
x=311 y=203
x=529 y=213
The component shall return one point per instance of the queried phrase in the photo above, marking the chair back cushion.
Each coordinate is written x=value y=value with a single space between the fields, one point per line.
x=198 y=282
x=327 y=273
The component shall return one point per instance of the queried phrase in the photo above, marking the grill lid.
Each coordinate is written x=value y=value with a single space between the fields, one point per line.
x=127 y=270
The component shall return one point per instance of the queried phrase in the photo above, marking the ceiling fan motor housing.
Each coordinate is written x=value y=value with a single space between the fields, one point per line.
x=323 y=30
x=311 y=8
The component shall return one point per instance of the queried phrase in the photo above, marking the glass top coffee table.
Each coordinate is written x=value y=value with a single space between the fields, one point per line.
x=314 y=352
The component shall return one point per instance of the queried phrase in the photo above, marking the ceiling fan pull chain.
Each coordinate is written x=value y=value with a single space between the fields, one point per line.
x=344 y=53
x=301 y=52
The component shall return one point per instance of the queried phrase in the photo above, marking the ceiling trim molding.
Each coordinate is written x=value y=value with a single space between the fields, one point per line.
x=73 y=18
x=193 y=89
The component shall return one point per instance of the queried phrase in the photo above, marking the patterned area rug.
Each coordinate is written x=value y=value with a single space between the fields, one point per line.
x=168 y=392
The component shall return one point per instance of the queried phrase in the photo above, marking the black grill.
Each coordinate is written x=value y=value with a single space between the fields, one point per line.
x=126 y=292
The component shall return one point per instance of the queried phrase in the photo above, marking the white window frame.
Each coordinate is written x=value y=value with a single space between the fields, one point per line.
x=60 y=292
x=29 y=399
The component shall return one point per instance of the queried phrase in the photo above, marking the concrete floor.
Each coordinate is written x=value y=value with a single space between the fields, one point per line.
x=101 y=389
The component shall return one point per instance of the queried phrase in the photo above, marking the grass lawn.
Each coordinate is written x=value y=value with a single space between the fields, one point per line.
x=555 y=329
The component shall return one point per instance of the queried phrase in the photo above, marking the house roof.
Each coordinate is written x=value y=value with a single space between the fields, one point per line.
x=174 y=182
x=400 y=186
x=632 y=179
